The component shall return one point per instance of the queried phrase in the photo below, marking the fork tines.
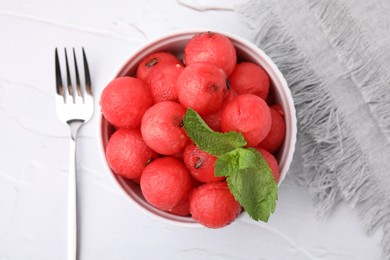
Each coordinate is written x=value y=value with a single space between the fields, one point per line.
x=82 y=89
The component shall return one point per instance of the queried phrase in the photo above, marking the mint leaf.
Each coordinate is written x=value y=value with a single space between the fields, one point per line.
x=250 y=180
x=206 y=139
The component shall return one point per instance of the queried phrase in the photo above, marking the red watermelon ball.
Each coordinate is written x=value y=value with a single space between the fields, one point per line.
x=162 y=128
x=124 y=101
x=153 y=61
x=274 y=140
x=249 y=115
x=162 y=81
x=127 y=154
x=212 y=48
x=250 y=78
x=202 y=87
x=166 y=183
x=213 y=205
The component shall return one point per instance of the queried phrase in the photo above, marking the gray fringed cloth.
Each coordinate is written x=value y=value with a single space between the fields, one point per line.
x=335 y=56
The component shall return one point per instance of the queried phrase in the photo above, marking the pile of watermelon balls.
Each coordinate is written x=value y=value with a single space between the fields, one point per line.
x=150 y=146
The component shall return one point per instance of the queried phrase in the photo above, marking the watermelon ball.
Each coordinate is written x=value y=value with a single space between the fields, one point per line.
x=162 y=81
x=250 y=78
x=202 y=87
x=124 y=101
x=200 y=163
x=154 y=61
x=213 y=48
x=213 y=206
x=272 y=163
x=249 y=115
x=274 y=140
x=127 y=154
x=162 y=128
x=165 y=183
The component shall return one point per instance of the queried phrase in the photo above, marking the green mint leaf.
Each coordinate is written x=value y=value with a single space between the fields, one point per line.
x=250 y=180
x=206 y=139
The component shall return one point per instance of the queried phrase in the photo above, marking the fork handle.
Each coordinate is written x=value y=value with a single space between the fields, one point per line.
x=72 y=203
x=73 y=253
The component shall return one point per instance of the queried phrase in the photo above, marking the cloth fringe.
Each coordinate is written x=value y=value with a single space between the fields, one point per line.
x=359 y=57
x=337 y=167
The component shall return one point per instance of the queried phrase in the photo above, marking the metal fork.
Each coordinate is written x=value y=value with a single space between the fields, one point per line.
x=74 y=104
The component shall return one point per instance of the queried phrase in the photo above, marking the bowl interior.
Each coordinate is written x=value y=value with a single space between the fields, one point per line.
x=175 y=44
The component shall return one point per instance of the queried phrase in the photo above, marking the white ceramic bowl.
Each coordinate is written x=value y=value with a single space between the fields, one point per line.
x=246 y=50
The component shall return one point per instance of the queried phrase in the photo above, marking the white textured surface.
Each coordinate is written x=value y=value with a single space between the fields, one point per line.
x=34 y=149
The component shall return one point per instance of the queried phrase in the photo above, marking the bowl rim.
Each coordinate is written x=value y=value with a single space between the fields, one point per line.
x=185 y=33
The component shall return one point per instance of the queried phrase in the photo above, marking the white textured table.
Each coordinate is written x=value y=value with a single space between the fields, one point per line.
x=34 y=150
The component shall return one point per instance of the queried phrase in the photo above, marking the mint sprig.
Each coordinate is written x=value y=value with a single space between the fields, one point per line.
x=248 y=175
